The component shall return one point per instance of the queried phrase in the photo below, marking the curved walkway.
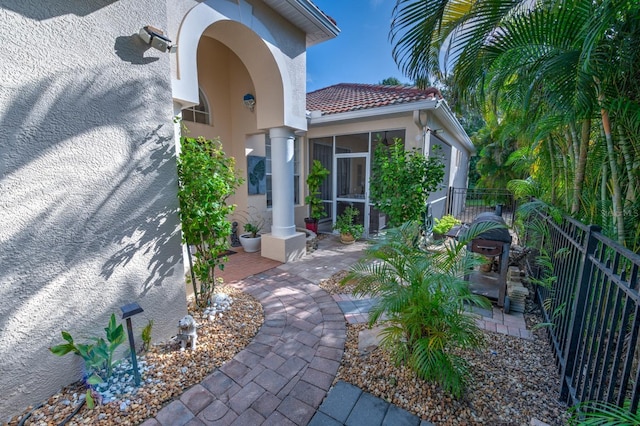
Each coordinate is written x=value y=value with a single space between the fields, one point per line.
x=284 y=374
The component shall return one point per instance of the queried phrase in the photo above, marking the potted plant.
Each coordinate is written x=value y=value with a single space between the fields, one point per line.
x=444 y=225
x=317 y=175
x=251 y=239
x=349 y=231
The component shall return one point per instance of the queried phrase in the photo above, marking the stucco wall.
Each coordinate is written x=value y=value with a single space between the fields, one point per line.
x=88 y=207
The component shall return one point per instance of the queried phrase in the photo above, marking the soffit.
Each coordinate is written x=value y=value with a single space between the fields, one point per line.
x=305 y=15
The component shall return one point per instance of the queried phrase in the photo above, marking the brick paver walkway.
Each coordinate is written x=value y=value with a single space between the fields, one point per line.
x=283 y=376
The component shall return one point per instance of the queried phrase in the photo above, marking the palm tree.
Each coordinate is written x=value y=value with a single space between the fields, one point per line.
x=422 y=301
x=565 y=61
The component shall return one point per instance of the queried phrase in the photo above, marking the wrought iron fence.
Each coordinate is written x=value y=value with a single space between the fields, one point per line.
x=590 y=298
x=465 y=204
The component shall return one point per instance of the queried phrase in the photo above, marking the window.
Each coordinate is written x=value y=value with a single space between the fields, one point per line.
x=296 y=171
x=198 y=113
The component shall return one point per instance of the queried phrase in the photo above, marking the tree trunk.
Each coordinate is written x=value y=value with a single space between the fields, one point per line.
x=553 y=171
x=615 y=178
x=628 y=162
x=581 y=165
x=604 y=195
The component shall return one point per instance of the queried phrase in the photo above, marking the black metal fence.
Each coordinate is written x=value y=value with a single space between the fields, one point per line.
x=465 y=204
x=591 y=300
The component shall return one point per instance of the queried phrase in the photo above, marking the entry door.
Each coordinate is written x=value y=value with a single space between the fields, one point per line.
x=351 y=186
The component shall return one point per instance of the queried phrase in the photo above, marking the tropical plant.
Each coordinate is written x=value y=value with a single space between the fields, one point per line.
x=592 y=413
x=317 y=175
x=252 y=228
x=409 y=173
x=207 y=179
x=97 y=356
x=422 y=299
x=345 y=223
x=444 y=224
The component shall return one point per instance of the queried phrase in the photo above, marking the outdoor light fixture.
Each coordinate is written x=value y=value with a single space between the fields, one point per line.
x=249 y=101
x=157 y=39
x=127 y=312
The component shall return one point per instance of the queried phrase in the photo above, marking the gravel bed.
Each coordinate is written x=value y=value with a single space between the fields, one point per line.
x=513 y=380
x=166 y=371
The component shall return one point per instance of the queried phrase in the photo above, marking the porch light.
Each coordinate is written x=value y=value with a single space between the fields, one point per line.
x=127 y=312
x=249 y=101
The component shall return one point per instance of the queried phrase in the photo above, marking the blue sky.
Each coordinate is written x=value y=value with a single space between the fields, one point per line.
x=361 y=53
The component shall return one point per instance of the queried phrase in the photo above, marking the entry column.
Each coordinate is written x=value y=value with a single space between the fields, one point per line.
x=283 y=243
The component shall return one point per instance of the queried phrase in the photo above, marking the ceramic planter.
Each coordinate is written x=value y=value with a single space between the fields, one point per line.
x=311 y=224
x=249 y=243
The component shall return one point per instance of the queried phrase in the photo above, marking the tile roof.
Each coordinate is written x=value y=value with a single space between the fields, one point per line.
x=347 y=97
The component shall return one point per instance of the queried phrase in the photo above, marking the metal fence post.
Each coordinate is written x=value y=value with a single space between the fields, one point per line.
x=578 y=311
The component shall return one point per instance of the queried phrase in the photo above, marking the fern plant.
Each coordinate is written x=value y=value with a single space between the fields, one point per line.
x=422 y=302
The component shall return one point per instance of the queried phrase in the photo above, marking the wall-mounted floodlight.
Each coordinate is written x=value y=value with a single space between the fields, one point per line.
x=157 y=39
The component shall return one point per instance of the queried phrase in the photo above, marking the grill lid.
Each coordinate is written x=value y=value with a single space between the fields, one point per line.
x=499 y=234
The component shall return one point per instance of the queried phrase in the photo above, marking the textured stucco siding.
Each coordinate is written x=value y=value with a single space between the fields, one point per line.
x=88 y=207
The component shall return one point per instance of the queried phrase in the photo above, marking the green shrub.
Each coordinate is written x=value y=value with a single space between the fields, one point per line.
x=345 y=223
x=422 y=297
x=207 y=179
x=408 y=173
x=445 y=224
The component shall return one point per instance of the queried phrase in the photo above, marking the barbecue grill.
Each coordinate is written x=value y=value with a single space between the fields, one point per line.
x=492 y=243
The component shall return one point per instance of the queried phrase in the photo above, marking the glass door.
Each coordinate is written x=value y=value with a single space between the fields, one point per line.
x=350 y=185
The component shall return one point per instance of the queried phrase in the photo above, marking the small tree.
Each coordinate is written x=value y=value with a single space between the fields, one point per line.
x=402 y=181
x=207 y=179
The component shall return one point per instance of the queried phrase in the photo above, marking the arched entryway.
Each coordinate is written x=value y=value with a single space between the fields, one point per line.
x=229 y=57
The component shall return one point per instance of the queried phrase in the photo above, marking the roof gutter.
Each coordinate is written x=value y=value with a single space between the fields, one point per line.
x=312 y=13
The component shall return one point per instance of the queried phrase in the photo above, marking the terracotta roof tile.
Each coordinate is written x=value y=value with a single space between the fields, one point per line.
x=347 y=97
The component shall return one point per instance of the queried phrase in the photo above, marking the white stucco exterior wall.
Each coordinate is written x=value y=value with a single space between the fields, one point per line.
x=88 y=206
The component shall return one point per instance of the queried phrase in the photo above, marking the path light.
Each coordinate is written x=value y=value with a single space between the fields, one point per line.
x=249 y=101
x=127 y=312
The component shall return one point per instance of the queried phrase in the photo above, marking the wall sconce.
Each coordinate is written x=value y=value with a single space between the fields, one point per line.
x=157 y=39
x=249 y=101
x=127 y=312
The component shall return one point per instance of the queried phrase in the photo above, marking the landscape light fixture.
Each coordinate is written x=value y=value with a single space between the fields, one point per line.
x=249 y=101
x=127 y=312
x=156 y=39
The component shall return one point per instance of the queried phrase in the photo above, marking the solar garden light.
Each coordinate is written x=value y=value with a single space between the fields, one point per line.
x=127 y=312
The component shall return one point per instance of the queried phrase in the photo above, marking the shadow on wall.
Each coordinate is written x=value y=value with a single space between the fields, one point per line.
x=88 y=216
x=41 y=10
